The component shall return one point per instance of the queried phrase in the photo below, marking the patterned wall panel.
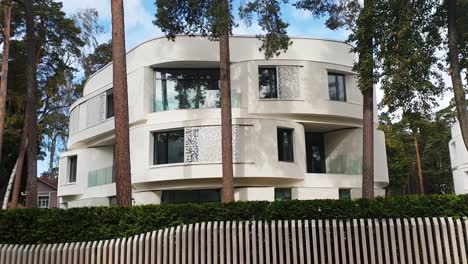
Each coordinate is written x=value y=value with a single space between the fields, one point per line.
x=203 y=144
x=75 y=120
x=289 y=82
x=96 y=110
x=191 y=144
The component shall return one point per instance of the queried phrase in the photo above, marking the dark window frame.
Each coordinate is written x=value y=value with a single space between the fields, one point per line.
x=315 y=139
x=72 y=168
x=214 y=74
x=346 y=195
x=276 y=93
x=110 y=106
x=281 y=190
x=165 y=160
x=337 y=89
x=195 y=196
x=282 y=156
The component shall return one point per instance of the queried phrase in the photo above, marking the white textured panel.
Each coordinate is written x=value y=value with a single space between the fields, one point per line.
x=203 y=144
x=96 y=110
x=289 y=82
x=74 y=120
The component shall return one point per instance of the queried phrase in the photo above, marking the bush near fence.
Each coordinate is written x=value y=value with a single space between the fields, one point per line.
x=27 y=226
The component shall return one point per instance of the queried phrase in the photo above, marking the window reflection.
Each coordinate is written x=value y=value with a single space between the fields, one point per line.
x=187 y=89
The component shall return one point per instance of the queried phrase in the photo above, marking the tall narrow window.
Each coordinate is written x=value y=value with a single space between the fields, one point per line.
x=110 y=103
x=336 y=87
x=72 y=166
x=315 y=153
x=169 y=147
x=267 y=82
x=285 y=144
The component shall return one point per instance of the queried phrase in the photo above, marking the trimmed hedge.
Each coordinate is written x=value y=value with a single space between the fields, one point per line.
x=26 y=226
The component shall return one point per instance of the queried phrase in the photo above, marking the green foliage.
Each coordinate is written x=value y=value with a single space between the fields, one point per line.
x=27 y=226
x=101 y=56
x=192 y=17
x=411 y=82
x=210 y=19
x=433 y=134
x=268 y=13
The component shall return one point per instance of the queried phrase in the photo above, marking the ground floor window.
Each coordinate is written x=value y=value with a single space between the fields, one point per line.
x=113 y=201
x=282 y=194
x=344 y=194
x=190 y=196
x=315 y=153
x=43 y=202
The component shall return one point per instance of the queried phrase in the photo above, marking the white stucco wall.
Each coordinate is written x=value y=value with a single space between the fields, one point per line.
x=459 y=160
x=258 y=172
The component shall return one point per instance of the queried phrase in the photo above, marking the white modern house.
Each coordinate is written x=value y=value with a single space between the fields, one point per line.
x=458 y=160
x=297 y=122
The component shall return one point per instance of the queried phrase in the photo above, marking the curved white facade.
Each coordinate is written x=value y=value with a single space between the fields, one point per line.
x=459 y=160
x=301 y=105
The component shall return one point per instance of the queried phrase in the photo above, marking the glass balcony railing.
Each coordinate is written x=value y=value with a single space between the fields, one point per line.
x=344 y=164
x=189 y=89
x=101 y=176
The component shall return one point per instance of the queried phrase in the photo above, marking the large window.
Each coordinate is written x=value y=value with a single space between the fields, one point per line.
x=315 y=153
x=72 y=166
x=190 y=196
x=43 y=202
x=169 y=147
x=336 y=86
x=285 y=144
x=187 y=89
x=267 y=83
x=110 y=103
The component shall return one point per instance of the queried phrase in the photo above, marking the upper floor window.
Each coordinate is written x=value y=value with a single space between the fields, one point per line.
x=110 y=103
x=72 y=166
x=187 y=89
x=336 y=87
x=285 y=144
x=267 y=82
x=168 y=147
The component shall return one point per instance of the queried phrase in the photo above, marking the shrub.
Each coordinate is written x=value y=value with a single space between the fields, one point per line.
x=26 y=226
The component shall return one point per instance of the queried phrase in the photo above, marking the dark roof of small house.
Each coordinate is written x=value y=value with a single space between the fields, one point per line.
x=50 y=181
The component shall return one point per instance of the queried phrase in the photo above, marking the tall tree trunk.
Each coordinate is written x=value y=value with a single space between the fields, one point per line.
x=4 y=80
x=455 y=70
x=122 y=147
x=226 y=116
x=19 y=168
x=53 y=147
x=366 y=77
x=31 y=107
x=368 y=144
x=418 y=164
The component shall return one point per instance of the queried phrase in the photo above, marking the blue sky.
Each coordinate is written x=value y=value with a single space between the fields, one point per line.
x=139 y=27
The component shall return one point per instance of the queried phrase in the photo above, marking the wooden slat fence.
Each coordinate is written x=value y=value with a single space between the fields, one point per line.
x=414 y=240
